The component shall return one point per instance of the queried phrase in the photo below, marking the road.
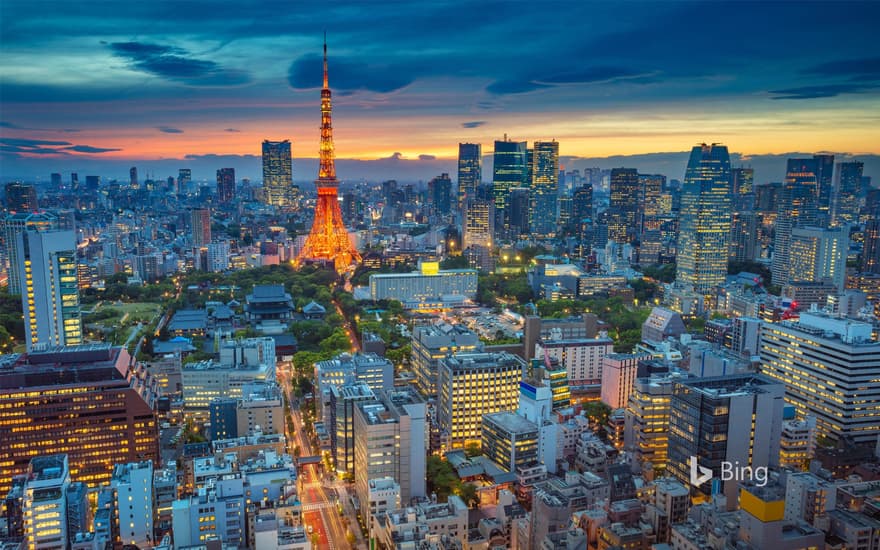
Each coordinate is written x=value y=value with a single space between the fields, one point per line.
x=352 y=337
x=318 y=502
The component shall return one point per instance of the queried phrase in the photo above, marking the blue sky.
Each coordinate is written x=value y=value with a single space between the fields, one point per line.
x=146 y=81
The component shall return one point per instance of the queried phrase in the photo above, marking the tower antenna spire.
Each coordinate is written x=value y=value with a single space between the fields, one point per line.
x=326 y=82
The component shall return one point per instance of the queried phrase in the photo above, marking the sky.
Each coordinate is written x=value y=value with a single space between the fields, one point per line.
x=99 y=86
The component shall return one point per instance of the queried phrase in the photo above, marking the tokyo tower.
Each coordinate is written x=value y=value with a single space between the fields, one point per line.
x=328 y=240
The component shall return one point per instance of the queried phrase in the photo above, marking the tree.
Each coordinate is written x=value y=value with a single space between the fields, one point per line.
x=468 y=493
x=472 y=449
x=598 y=412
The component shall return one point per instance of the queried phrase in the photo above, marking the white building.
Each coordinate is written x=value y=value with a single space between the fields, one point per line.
x=819 y=254
x=218 y=256
x=133 y=487
x=829 y=367
x=206 y=380
x=581 y=357
x=428 y=285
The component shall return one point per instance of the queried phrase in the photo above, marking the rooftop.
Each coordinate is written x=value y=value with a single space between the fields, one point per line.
x=511 y=422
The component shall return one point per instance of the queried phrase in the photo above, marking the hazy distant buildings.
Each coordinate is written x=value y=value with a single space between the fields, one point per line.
x=470 y=172
x=21 y=197
x=50 y=292
x=819 y=255
x=796 y=207
x=623 y=205
x=225 y=184
x=201 y=227
x=848 y=184
x=184 y=177
x=440 y=194
x=277 y=172
x=705 y=218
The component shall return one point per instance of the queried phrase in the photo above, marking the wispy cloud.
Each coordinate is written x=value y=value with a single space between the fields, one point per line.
x=473 y=124
x=169 y=129
x=822 y=91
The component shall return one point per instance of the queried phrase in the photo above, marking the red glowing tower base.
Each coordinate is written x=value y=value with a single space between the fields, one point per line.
x=328 y=240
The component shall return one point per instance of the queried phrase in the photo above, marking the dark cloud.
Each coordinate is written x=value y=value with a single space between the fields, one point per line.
x=592 y=74
x=862 y=68
x=502 y=87
x=427 y=157
x=394 y=156
x=90 y=149
x=174 y=64
x=169 y=130
x=473 y=124
x=31 y=143
x=20 y=150
x=821 y=91
x=234 y=130
x=347 y=75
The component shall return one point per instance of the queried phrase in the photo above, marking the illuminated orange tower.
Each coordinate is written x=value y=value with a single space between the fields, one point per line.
x=328 y=239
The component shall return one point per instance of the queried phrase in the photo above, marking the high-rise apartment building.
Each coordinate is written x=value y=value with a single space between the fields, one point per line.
x=733 y=419
x=470 y=171
x=544 y=189
x=471 y=385
x=90 y=407
x=828 y=366
x=21 y=197
x=277 y=172
x=45 y=503
x=479 y=223
x=184 y=178
x=819 y=255
x=848 y=186
x=132 y=485
x=743 y=236
x=796 y=207
x=15 y=224
x=47 y=270
x=705 y=218
x=225 y=184
x=440 y=194
x=201 y=227
x=647 y=422
x=582 y=358
x=509 y=171
x=623 y=204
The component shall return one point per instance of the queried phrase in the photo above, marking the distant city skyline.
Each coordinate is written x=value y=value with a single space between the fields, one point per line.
x=192 y=80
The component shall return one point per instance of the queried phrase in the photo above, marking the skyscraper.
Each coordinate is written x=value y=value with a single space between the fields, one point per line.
x=582 y=203
x=184 y=177
x=848 y=185
x=201 y=227
x=742 y=181
x=825 y=187
x=819 y=255
x=544 y=188
x=133 y=177
x=623 y=204
x=797 y=207
x=277 y=172
x=705 y=218
x=743 y=236
x=50 y=293
x=21 y=197
x=509 y=171
x=225 y=184
x=13 y=225
x=55 y=181
x=650 y=188
x=870 y=261
x=440 y=193
x=479 y=223
x=470 y=171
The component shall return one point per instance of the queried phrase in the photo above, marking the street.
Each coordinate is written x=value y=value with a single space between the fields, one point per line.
x=318 y=502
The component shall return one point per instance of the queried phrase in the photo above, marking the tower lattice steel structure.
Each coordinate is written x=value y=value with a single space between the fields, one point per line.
x=328 y=239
